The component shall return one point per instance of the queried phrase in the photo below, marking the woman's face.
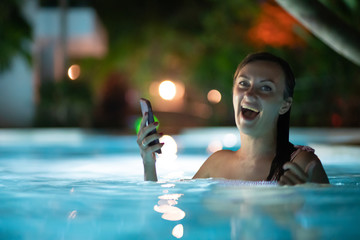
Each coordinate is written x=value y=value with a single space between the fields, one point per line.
x=258 y=97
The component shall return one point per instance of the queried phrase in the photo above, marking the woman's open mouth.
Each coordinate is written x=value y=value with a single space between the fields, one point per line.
x=249 y=113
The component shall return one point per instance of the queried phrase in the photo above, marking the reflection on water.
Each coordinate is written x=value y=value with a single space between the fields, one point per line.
x=72 y=215
x=258 y=210
x=178 y=231
x=166 y=206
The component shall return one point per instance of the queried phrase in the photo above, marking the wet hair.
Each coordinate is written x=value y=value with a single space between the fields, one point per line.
x=283 y=147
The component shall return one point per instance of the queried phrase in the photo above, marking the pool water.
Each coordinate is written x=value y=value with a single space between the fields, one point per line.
x=72 y=184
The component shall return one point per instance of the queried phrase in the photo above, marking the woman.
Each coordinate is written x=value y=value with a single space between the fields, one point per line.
x=262 y=97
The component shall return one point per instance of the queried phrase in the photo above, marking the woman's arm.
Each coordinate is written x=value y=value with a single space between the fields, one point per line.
x=148 y=152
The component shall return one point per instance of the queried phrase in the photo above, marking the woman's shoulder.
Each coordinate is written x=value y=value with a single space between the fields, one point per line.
x=213 y=161
x=304 y=148
x=303 y=155
x=220 y=155
x=223 y=152
x=311 y=164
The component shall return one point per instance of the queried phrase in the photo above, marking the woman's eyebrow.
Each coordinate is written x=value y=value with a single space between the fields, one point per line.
x=243 y=76
x=267 y=80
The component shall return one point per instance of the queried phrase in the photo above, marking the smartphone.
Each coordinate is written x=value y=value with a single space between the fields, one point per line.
x=146 y=107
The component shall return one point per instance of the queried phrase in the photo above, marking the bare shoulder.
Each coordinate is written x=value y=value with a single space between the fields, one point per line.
x=206 y=170
x=305 y=157
x=311 y=164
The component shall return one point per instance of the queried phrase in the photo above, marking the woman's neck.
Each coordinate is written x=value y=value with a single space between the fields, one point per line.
x=258 y=148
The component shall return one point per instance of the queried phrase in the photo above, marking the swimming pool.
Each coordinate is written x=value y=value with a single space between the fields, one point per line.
x=74 y=184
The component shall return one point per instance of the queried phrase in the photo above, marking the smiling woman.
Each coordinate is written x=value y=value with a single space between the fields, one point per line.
x=262 y=98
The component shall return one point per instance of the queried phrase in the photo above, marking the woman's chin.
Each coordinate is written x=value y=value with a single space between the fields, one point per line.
x=248 y=126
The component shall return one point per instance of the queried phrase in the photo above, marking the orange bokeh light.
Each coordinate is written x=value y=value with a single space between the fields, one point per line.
x=214 y=96
x=74 y=72
x=275 y=27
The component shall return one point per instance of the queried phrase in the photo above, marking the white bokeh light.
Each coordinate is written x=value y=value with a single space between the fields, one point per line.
x=167 y=90
x=230 y=140
x=170 y=145
x=214 y=146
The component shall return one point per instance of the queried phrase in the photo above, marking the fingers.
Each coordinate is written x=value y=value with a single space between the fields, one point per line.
x=284 y=180
x=145 y=130
x=289 y=178
x=147 y=140
x=297 y=170
x=155 y=147
x=293 y=175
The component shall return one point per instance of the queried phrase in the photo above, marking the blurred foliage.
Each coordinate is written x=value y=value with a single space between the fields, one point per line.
x=65 y=104
x=14 y=33
x=197 y=42
x=201 y=43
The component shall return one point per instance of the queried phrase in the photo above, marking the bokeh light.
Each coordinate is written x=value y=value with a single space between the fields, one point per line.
x=74 y=72
x=229 y=140
x=137 y=123
x=167 y=90
x=214 y=96
x=214 y=146
x=170 y=145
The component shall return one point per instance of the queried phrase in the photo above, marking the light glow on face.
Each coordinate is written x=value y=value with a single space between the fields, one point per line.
x=260 y=85
x=167 y=90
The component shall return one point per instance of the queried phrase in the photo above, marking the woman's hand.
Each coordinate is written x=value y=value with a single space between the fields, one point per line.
x=294 y=174
x=148 y=152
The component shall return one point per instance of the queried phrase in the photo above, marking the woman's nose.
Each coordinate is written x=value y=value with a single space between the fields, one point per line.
x=250 y=93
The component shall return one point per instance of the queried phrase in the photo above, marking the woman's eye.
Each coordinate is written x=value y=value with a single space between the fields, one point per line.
x=244 y=84
x=266 y=88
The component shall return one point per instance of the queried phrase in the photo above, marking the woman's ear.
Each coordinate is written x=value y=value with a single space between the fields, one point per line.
x=286 y=106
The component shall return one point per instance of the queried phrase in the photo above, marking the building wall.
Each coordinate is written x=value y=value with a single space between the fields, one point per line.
x=17 y=101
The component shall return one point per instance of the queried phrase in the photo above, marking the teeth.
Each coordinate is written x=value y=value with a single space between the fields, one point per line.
x=252 y=109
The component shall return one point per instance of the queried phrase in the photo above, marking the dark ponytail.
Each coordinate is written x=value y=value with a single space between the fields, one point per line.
x=283 y=147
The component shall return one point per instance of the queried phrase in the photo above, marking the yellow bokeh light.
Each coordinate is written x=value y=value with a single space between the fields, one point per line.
x=214 y=96
x=167 y=90
x=74 y=72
